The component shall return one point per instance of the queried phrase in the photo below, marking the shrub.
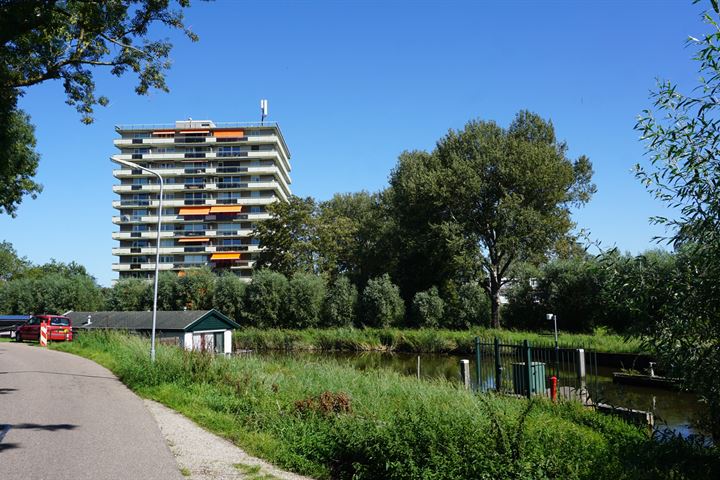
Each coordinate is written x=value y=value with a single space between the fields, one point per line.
x=306 y=292
x=53 y=293
x=196 y=289
x=466 y=305
x=428 y=308
x=382 y=304
x=131 y=294
x=229 y=295
x=340 y=306
x=265 y=298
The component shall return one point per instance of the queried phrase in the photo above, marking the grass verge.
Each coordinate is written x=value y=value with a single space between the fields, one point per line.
x=325 y=420
x=416 y=341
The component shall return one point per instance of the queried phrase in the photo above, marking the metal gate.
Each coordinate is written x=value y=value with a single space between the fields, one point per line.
x=522 y=368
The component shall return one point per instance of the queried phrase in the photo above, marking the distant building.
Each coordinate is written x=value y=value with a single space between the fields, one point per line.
x=206 y=330
x=219 y=179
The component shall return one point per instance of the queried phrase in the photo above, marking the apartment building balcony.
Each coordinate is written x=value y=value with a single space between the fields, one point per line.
x=136 y=235
x=127 y=267
x=155 y=187
x=124 y=219
x=249 y=201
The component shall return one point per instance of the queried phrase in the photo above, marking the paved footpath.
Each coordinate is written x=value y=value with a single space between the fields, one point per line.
x=63 y=417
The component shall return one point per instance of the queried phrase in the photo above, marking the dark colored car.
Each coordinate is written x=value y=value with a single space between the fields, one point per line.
x=59 y=329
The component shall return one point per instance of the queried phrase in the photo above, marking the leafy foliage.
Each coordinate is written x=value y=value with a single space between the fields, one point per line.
x=229 y=295
x=306 y=293
x=495 y=195
x=52 y=293
x=265 y=299
x=682 y=136
x=288 y=237
x=341 y=303
x=11 y=265
x=428 y=309
x=382 y=304
x=18 y=159
x=44 y=40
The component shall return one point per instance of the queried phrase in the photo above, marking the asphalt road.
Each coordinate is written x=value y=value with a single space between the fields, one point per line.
x=65 y=417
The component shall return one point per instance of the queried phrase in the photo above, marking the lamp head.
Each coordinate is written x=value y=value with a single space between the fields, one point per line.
x=549 y=316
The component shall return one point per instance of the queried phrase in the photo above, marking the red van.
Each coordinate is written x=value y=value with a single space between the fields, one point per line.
x=59 y=328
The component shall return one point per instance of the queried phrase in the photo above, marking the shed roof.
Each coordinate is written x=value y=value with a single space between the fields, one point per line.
x=181 y=320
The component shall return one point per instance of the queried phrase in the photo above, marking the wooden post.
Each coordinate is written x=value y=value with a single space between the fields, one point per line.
x=418 y=368
x=528 y=368
x=465 y=373
x=498 y=366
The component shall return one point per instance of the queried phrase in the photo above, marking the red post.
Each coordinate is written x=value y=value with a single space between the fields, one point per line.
x=553 y=388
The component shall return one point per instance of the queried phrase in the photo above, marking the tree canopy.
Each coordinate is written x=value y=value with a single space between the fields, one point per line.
x=682 y=135
x=43 y=40
x=493 y=195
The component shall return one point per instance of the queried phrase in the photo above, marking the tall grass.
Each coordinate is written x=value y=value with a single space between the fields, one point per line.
x=329 y=421
x=415 y=341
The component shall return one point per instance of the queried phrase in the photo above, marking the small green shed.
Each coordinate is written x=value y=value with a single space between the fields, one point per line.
x=205 y=330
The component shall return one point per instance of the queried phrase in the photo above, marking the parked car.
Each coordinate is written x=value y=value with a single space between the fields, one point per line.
x=59 y=328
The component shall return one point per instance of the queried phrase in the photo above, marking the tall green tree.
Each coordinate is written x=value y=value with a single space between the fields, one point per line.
x=352 y=230
x=67 y=40
x=499 y=195
x=11 y=265
x=289 y=237
x=682 y=136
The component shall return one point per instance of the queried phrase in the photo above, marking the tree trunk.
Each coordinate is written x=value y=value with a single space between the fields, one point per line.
x=495 y=309
x=494 y=299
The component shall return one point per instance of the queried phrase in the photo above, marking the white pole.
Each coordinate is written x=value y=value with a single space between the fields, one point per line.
x=157 y=247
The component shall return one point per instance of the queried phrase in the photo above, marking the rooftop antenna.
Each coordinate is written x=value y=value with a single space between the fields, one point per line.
x=263 y=111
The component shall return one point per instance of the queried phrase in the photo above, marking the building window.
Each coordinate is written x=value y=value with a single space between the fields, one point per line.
x=228 y=151
x=167 y=258
x=195 y=258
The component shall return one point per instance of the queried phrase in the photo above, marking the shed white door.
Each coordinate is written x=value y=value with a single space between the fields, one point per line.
x=204 y=342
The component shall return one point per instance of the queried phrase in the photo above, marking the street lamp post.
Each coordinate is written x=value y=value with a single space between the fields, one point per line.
x=553 y=317
x=157 y=246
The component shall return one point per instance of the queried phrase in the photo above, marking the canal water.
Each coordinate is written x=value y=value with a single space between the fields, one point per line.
x=673 y=410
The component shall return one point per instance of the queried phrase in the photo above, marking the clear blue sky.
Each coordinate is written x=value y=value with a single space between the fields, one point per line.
x=353 y=84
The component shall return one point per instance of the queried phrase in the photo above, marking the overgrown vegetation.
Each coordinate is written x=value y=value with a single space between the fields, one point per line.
x=422 y=340
x=329 y=421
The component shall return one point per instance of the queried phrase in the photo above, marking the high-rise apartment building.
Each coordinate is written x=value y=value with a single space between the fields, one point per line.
x=218 y=180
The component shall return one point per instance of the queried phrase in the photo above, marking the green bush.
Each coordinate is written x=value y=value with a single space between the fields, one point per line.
x=428 y=308
x=130 y=294
x=53 y=293
x=469 y=306
x=382 y=304
x=229 y=296
x=340 y=305
x=265 y=298
x=306 y=292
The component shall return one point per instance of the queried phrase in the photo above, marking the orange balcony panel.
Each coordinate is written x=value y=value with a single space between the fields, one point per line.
x=229 y=133
x=193 y=239
x=226 y=209
x=194 y=211
x=225 y=256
